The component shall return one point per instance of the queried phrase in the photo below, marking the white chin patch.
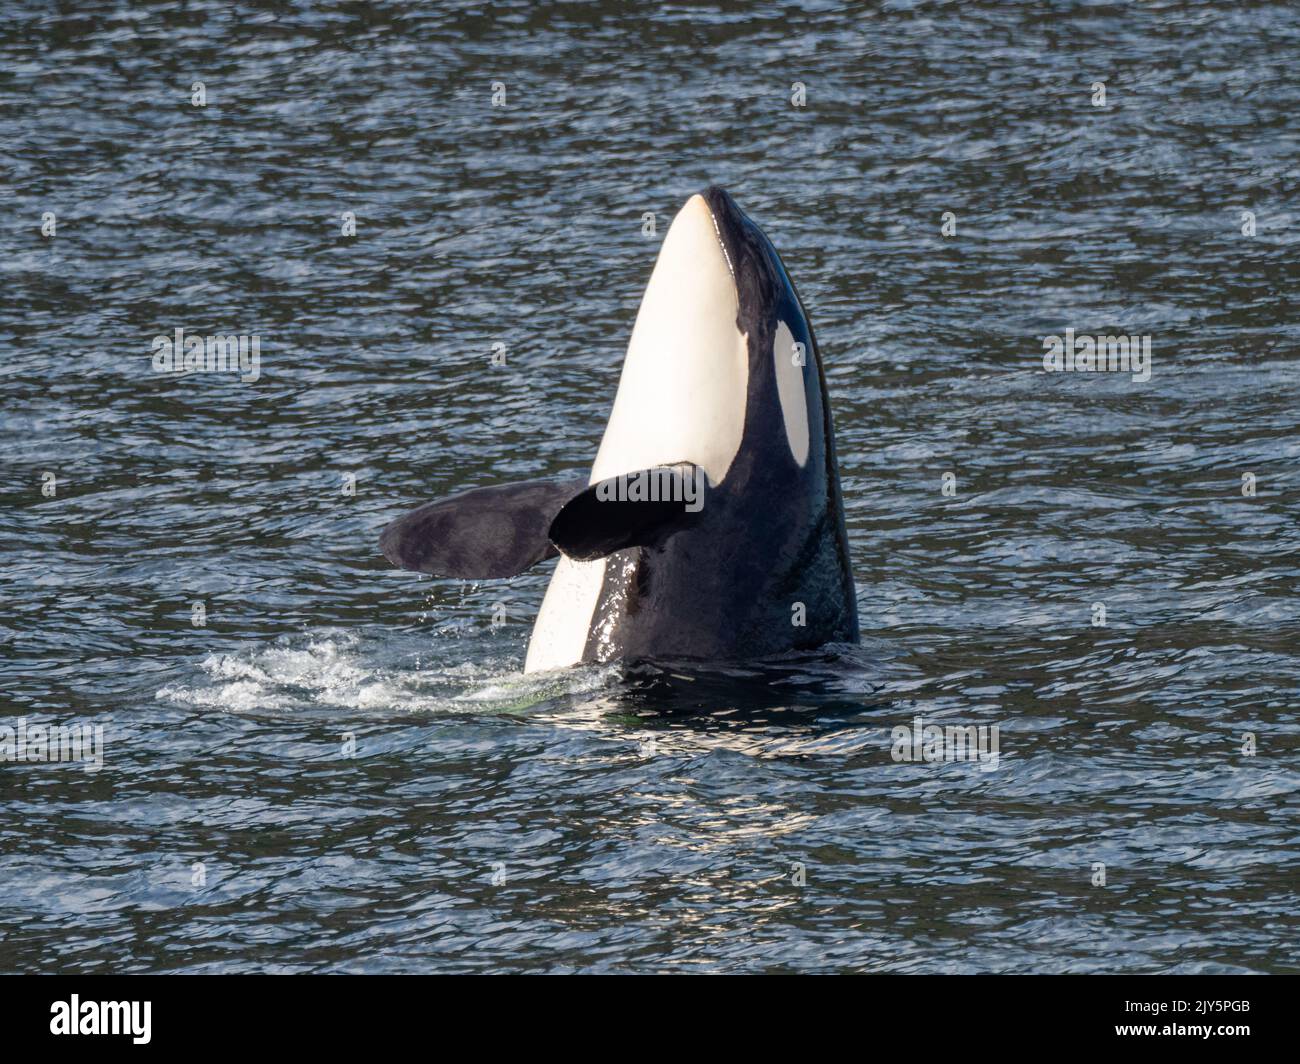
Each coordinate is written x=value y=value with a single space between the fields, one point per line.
x=683 y=392
x=790 y=387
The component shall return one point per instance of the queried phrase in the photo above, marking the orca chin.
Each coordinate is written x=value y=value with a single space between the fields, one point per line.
x=710 y=525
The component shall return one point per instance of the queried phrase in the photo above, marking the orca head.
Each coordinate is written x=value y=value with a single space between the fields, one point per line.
x=722 y=377
x=721 y=356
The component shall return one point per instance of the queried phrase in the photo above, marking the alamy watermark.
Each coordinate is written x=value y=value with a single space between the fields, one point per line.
x=179 y=353
x=1095 y=354
x=36 y=743
x=656 y=485
x=952 y=742
x=79 y=1017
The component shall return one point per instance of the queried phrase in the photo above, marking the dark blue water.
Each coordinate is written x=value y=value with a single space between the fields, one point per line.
x=344 y=768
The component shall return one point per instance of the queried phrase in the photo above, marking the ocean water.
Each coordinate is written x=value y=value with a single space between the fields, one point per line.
x=335 y=766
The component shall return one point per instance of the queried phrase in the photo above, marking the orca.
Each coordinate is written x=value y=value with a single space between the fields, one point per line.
x=711 y=524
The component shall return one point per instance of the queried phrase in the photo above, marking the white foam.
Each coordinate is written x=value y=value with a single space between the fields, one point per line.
x=338 y=671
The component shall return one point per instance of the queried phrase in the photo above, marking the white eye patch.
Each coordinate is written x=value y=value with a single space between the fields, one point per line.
x=790 y=388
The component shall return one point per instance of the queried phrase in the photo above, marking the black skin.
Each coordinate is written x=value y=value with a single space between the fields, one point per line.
x=724 y=585
x=481 y=534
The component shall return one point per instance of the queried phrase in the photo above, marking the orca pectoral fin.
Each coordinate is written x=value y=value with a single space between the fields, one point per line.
x=485 y=533
x=634 y=510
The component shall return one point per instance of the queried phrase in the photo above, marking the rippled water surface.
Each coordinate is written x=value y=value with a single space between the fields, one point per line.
x=652 y=818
